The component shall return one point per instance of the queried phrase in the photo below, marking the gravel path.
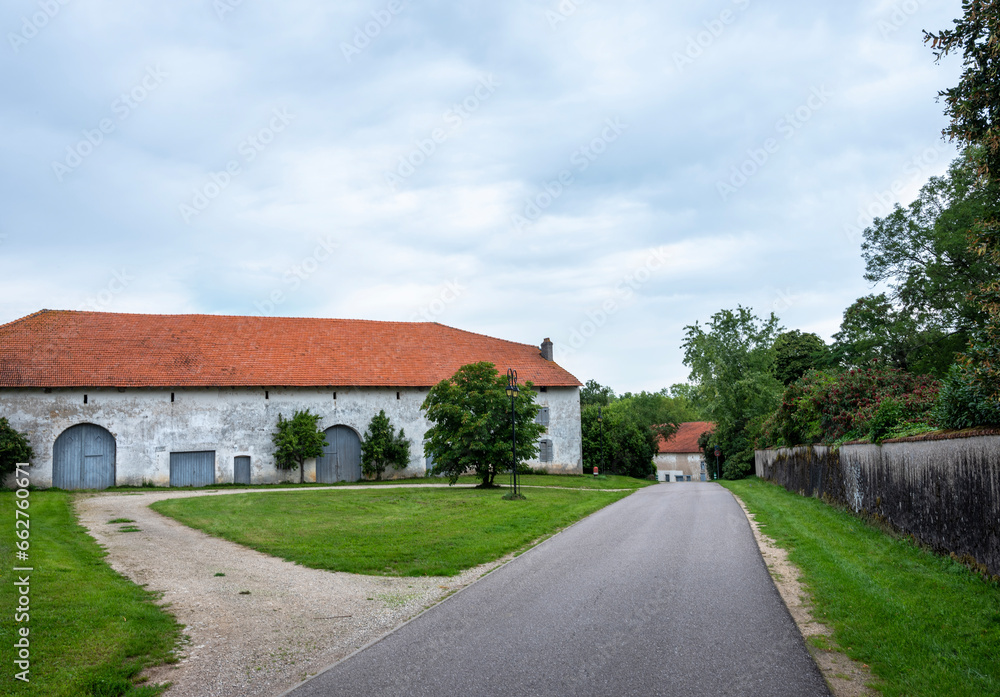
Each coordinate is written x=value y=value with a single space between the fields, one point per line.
x=293 y=622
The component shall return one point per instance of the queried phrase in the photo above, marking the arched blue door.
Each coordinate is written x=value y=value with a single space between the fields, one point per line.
x=341 y=459
x=83 y=457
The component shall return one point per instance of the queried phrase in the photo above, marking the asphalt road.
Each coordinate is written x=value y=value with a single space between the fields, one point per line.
x=662 y=593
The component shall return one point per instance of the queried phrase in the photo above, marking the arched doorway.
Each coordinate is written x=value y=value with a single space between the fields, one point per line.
x=83 y=457
x=341 y=459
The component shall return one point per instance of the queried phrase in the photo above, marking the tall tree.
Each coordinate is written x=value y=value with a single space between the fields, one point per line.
x=973 y=108
x=382 y=447
x=732 y=358
x=795 y=352
x=594 y=392
x=618 y=444
x=923 y=253
x=471 y=430
x=297 y=440
x=876 y=332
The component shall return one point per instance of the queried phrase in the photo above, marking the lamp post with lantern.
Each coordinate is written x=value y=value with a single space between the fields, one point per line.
x=512 y=393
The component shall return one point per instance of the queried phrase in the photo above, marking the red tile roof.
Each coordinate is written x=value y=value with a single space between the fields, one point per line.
x=57 y=348
x=686 y=438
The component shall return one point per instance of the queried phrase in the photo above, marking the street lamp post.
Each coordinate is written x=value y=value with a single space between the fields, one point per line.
x=717 y=453
x=600 y=420
x=512 y=393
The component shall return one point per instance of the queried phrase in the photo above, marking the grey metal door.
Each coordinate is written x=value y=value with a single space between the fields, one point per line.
x=341 y=459
x=241 y=470
x=83 y=457
x=192 y=469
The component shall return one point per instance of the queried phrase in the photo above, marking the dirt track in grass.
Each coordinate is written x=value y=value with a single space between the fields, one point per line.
x=267 y=623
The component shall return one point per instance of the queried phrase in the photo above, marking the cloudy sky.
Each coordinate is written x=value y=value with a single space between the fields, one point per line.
x=601 y=173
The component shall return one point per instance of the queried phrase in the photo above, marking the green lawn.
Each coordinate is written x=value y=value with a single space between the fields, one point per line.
x=574 y=481
x=925 y=624
x=91 y=630
x=393 y=532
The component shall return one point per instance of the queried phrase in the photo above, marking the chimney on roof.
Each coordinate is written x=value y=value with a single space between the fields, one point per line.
x=547 y=349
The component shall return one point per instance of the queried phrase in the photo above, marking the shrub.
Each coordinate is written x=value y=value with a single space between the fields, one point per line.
x=963 y=403
x=830 y=407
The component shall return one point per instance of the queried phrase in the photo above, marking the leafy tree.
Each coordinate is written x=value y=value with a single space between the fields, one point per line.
x=795 y=352
x=973 y=107
x=656 y=410
x=297 y=440
x=876 y=332
x=628 y=444
x=707 y=443
x=595 y=393
x=14 y=448
x=962 y=404
x=472 y=423
x=732 y=359
x=692 y=399
x=382 y=447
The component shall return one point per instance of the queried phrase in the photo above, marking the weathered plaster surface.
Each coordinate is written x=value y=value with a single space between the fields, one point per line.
x=945 y=493
x=148 y=426
x=688 y=463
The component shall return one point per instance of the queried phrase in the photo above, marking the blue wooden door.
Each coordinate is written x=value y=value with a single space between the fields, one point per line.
x=193 y=468
x=83 y=457
x=241 y=470
x=341 y=459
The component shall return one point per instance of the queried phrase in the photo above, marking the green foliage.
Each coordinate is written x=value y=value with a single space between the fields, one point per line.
x=795 y=352
x=922 y=252
x=385 y=531
x=826 y=407
x=732 y=361
x=657 y=410
x=973 y=107
x=628 y=443
x=595 y=393
x=382 y=447
x=14 y=448
x=924 y=623
x=962 y=402
x=471 y=431
x=298 y=439
x=92 y=631
x=707 y=444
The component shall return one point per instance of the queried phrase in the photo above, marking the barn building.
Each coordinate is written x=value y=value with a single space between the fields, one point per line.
x=127 y=399
x=679 y=458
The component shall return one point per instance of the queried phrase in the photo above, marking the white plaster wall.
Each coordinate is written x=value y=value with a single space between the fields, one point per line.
x=563 y=431
x=147 y=426
x=688 y=463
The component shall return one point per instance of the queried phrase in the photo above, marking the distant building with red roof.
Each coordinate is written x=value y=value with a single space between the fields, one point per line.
x=680 y=457
x=112 y=398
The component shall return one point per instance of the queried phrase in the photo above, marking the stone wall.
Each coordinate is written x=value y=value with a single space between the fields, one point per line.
x=945 y=492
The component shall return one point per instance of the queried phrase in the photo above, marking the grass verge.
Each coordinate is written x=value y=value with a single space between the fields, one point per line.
x=391 y=532
x=91 y=630
x=925 y=624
